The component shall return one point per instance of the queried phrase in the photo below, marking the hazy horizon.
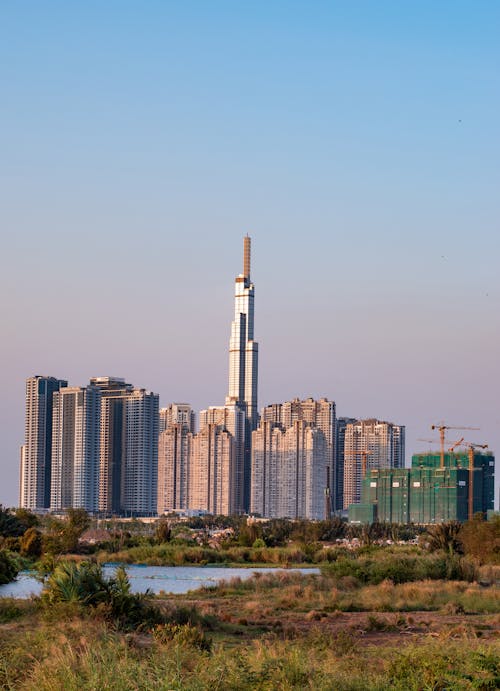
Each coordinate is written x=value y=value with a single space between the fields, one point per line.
x=357 y=145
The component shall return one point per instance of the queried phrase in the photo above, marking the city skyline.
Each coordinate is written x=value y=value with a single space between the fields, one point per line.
x=360 y=151
x=73 y=483
x=108 y=447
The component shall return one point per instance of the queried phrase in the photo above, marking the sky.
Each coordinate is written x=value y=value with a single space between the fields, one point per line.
x=356 y=142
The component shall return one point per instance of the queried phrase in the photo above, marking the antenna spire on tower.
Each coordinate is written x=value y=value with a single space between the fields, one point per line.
x=246 y=256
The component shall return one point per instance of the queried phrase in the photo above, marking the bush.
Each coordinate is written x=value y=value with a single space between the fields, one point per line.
x=163 y=532
x=481 y=539
x=31 y=544
x=10 y=525
x=379 y=567
x=182 y=634
x=259 y=543
x=84 y=584
x=8 y=568
x=444 y=537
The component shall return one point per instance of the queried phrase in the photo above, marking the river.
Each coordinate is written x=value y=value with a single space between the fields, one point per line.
x=168 y=579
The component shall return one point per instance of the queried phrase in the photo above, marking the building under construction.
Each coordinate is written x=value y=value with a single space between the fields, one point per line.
x=435 y=489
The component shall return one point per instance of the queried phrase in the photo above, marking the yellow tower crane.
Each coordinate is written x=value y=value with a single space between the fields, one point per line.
x=471 y=447
x=442 y=431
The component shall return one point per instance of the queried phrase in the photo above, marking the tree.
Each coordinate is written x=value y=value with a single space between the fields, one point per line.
x=10 y=526
x=331 y=529
x=63 y=536
x=27 y=518
x=8 y=568
x=163 y=532
x=276 y=532
x=248 y=534
x=77 y=523
x=31 y=544
x=481 y=539
x=445 y=537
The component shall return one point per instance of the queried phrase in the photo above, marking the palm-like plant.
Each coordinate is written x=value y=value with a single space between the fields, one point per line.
x=84 y=583
x=445 y=537
x=72 y=582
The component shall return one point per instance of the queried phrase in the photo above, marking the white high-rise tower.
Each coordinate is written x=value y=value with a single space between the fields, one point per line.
x=243 y=361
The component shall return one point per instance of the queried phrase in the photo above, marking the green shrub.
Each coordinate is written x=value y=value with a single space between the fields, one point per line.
x=403 y=568
x=31 y=544
x=8 y=567
x=10 y=525
x=84 y=584
x=9 y=610
x=259 y=543
x=182 y=634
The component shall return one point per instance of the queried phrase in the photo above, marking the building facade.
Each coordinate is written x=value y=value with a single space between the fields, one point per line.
x=243 y=364
x=140 y=462
x=427 y=493
x=174 y=457
x=373 y=443
x=177 y=414
x=36 y=454
x=231 y=418
x=211 y=476
x=75 y=449
x=292 y=457
x=128 y=452
x=114 y=394
x=338 y=464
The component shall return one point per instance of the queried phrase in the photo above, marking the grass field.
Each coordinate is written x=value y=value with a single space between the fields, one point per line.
x=282 y=631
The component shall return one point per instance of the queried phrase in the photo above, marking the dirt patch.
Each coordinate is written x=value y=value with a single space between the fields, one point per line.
x=253 y=619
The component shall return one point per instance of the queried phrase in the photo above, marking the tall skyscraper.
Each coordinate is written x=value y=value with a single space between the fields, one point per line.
x=75 y=448
x=36 y=455
x=174 y=456
x=140 y=466
x=338 y=465
x=243 y=362
x=128 y=447
x=382 y=444
x=231 y=418
x=114 y=393
x=292 y=456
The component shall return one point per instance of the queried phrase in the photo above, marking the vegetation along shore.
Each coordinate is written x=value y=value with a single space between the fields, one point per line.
x=393 y=607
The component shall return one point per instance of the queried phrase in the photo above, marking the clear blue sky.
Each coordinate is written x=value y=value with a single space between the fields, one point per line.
x=357 y=142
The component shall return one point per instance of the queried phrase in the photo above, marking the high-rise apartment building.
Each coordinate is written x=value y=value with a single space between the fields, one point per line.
x=174 y=456
x=231 y=418
x=338 y=465
x=374 y=443
x=292 y=456
x=177 y=414
x=114 y=393
x=140 y=462
x=211 y=477
x=37 y=449
x=75 y=448
x=129 y=424
x=243 y=363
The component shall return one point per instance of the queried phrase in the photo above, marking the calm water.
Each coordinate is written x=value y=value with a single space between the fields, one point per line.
x=171 y=579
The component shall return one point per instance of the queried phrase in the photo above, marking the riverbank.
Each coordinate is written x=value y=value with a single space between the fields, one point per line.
x=282 y=631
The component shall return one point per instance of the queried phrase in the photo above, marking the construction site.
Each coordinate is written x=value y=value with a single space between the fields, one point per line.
x=441 y=486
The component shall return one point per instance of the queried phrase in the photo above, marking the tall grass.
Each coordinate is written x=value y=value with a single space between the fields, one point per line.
x=179 y=555
x=402 y=568
x=296 y=591
x=84 y=656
